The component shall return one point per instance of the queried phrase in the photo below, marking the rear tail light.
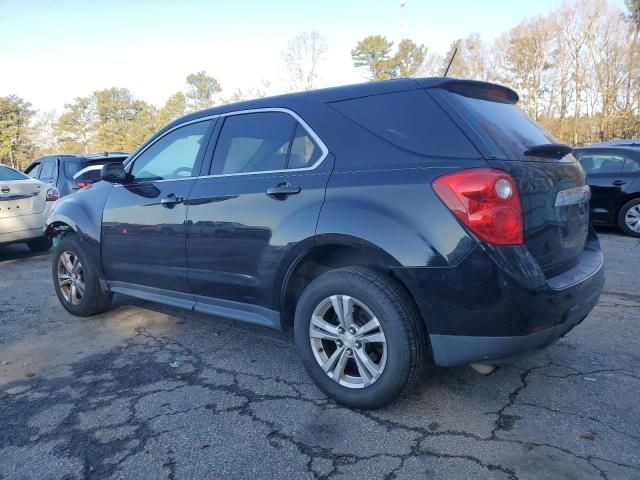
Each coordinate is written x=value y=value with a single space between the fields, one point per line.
x=486 y=201
x=53 y=195
x=83 y=183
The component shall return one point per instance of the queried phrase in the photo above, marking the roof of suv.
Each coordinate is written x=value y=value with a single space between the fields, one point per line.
x=344 y=92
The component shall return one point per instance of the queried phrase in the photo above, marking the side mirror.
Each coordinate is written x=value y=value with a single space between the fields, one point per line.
x=114 y=173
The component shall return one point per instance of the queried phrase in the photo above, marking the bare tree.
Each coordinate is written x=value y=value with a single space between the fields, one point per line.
x=302 y=58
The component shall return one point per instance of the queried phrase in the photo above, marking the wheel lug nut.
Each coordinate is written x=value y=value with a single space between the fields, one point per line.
x=358 y=345
x=349 y=351
x=352 y=330
x=340 y=330
x=339 y=343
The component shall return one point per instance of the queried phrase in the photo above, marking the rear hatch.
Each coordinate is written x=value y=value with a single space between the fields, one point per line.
x=20 y=194
x=555 y=224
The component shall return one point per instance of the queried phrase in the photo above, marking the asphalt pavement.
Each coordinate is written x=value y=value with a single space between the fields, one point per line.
x=148 y=392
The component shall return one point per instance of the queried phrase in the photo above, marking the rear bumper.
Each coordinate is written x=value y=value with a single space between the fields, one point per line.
x=477 y=312
x=23 y=227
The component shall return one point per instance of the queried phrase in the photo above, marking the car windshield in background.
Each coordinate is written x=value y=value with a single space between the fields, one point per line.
x=9 y=174
x=513 y=130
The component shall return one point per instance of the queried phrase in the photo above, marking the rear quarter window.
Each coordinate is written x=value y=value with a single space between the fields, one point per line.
x=411 y=120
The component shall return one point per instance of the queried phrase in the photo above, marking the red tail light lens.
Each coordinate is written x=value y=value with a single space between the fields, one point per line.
x=486 y=201
x=53 y=195
x=83 y=183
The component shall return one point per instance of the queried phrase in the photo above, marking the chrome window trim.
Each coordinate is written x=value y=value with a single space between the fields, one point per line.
x=305 y=125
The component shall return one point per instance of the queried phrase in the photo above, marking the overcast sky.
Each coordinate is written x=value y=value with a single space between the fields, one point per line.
x=54 y=51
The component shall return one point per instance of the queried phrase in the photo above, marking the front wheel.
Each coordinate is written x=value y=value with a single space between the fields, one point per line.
x=629 y=217
x=360 y=337
x=76 y=279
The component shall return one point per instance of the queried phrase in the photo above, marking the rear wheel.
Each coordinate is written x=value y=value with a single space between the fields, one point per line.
x=41 y=244
x=76 y=280
x=360 y=337
x=629 y=217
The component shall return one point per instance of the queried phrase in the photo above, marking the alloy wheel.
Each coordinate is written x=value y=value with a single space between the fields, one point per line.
x=71 y=278
x=348 y=341
x=632 y=218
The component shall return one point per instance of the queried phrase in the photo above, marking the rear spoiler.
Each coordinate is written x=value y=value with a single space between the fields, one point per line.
x=472 y=88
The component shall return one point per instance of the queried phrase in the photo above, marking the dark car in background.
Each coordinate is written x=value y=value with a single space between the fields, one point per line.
x=387 y=223
x=61 y=170
x=613 y=172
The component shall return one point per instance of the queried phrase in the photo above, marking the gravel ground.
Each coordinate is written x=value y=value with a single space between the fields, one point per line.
x=149 y=392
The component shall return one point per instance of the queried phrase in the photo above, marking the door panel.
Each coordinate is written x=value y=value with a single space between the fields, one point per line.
x=143 y=231
x=607 y=180
x=241 y=226
x=143 y=239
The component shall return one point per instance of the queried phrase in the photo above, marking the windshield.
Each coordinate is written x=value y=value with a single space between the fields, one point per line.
x=9 y=174
x=513 y=130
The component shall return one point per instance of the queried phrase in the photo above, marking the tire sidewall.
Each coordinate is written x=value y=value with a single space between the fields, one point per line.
x=71 y=243
x=396 y=370
x=621 y=217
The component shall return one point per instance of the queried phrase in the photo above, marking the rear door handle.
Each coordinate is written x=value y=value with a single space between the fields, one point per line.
x=171 y=200
x=283 y=190
x=617 y=183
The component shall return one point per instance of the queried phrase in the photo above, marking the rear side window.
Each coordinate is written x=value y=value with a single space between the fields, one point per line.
x=410 y=120
x=263 y=142
x=34 y=170
x=512 y=129
x=602 y=163
x=47 y=172
x=91 y=175
x=7 y=174
x=631 y=166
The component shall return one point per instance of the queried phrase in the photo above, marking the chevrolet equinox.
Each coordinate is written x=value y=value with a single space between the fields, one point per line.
x=388 y=223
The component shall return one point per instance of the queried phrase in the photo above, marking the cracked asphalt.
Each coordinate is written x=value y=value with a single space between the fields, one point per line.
x=148 y=392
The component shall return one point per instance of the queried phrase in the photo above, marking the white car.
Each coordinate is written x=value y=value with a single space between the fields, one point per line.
x=25 y=204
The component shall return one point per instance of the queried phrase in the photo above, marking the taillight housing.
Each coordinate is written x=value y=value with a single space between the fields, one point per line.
x=487 y=201
x=52 y=194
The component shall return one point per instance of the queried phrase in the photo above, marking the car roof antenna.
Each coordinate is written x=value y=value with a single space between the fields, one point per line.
x=453 y=55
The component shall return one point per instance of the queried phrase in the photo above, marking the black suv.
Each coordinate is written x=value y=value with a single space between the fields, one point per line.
x=613 y=172
x=388 y=223
x=61 y=170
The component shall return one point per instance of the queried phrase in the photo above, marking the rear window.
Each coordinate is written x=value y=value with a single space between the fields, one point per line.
x=512 y=129
x=71 y=168
x=93 y=175
x=8 y=174
x=410 y=120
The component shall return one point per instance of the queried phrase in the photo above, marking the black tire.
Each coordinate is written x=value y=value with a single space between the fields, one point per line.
x=94 y=300
x=623 y=213
x=403 y=327
x=41 y=244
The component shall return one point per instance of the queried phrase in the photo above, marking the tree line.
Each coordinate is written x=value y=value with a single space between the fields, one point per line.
x=576 y=69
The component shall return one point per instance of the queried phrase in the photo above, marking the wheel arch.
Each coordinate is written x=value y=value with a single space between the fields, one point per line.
x=329 y=253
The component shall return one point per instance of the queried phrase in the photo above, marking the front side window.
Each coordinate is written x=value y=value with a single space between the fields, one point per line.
x=602 y=163
x=174 y=155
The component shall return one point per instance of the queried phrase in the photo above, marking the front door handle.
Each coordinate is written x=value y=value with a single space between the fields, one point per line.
x=617 y=183
x=171 y=200
x=283 y=189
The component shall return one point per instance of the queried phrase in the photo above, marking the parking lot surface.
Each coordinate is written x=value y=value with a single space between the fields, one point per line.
x=148 y=392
